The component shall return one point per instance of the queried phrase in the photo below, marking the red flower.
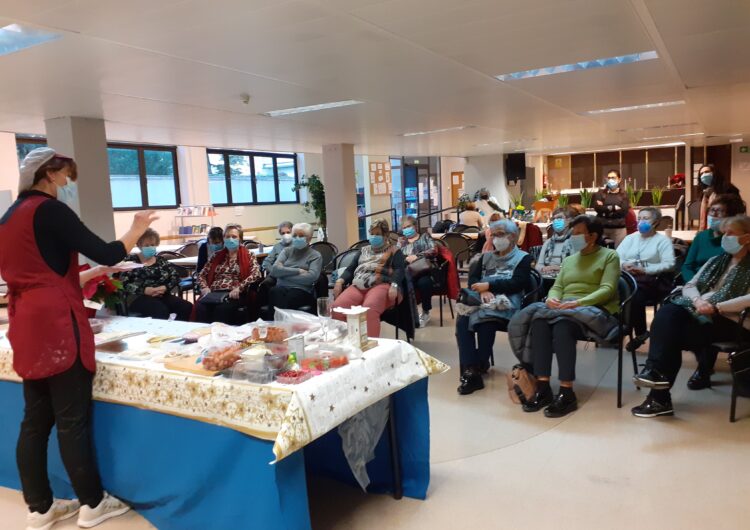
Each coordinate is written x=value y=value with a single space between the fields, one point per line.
x=91 y=286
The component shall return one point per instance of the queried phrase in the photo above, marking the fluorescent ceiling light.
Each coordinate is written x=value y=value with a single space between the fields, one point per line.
x=628 y=148
x=636 y=107
x=671 y=136
x=311 y=108
x=14 y=38
x=652 y=127
x=583 y=65
x=447 y=129
x=736 y=141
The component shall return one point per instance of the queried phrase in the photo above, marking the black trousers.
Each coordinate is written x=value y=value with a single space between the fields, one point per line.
x=291 y=298
x=648 y=292
x=232 y=312
x=423 y=286
x=161 y=307
x=674 y=329
x=559 y=338
x=63 y=400
x=475 y=347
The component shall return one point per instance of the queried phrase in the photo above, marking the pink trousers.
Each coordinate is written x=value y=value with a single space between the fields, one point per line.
x=374 y=298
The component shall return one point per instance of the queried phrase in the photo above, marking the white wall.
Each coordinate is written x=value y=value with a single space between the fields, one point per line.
x=488 y=171
x=741 y=170
x=8 y=164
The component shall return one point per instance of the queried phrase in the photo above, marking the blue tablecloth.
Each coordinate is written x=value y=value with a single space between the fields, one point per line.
x=184 y=474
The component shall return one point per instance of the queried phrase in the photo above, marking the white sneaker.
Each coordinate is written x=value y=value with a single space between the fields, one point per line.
x=59 y=511
x=424 y=318
x=109 y=507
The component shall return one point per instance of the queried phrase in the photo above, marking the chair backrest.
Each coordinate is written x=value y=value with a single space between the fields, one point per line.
x=190 y=250
x=533 y=292
x=665 y=222
x=168 y=255
x=359 y=244
x=534 y=252
x=394 y=237
x=693 y=212
x=456 y=243
x=328 y=252
x=344 y=259
x=440 y=242
x=458 y=227
x=469 y=230
x=626 y=288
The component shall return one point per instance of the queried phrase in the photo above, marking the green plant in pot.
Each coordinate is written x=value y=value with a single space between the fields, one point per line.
x=562 y=201
x=634 y=196
x=316 y=199
x=586 y=197
x=539 y=195
x=656 y=195
x=463 y=200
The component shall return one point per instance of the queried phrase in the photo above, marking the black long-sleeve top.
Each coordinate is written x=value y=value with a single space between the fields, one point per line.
x=59 y=231
x=613 y=208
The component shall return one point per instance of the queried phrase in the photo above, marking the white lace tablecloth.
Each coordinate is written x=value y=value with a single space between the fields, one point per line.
x=290 y=415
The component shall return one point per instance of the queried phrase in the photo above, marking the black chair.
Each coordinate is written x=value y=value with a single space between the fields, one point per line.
x=328 y=251
x=321 y=291
x=359 y=244
x=405 y=315
x=534 y=252
x=458 y=228
x=189 y=250
x=169 y=255
x=468 y=230
x=739 y=360
x=626 y=288
x=340 y=262
x=665 y=222
x=251 y=245
x=693 y=214
x=460 y=246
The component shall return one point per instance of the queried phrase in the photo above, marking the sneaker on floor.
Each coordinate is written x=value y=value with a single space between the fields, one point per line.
x=424 y=318
x=652 y=408
x=59 y=511
x=108 y=508
x=650 y=378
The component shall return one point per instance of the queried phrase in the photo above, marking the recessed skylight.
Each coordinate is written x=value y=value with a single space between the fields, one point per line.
x=583 y=65
x=14 y=38
x=652 y=127
x=434 y=131
x=312 y=108
x=646 y=106
x=671 y=136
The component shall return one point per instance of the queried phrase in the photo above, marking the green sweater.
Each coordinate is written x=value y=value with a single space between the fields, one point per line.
x=704 y=247
x=590 y=279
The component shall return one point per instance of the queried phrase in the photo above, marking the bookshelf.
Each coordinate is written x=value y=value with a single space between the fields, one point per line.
x=194 y=211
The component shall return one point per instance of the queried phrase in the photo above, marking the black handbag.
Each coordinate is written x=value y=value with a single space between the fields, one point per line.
x=215 y=298
x=419 y=267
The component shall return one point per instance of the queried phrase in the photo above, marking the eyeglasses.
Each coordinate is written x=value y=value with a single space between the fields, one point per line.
x=717 y=211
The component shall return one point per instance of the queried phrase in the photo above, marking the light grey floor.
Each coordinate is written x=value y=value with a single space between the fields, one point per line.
x=495 y=467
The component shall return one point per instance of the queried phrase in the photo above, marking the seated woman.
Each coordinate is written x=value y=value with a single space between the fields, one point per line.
x=707 y=311
x=557 y=247
x=707 y=243
x=375 y=276
x=413 y=246
x=296 y=271
x=486 y=236
x=285 y=239
x=584 y=297
x=214 y=243
x=499 y=279
x=470 y=216
x=232 y=271
x=649 y=257
x=149 y=288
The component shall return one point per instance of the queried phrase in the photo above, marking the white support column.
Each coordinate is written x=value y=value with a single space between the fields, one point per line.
x=341 y=194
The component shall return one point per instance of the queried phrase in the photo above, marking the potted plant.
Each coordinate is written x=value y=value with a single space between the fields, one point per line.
x=463 y=200
x=103 y=290
x=316 y=200
x=656 y=195
x=562 y=201
x=634 y=196
x=586 y=197
x=539 y=195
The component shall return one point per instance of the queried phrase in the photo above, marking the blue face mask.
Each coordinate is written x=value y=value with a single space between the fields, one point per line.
x=299 y=242
x=409 y=231
x=558 y=225
x=613 y=184
x=707 y=179
x=215 y=247
x=731 y=244
x=714 y=223
x=578 y=242
x=376 y=241
x=148 y=252
x=232 y=244
x=644 y=227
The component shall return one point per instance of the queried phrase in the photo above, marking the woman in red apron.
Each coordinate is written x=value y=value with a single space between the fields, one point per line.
x=53 y=346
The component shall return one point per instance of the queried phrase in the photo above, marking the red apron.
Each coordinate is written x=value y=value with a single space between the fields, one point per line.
x=43 y=306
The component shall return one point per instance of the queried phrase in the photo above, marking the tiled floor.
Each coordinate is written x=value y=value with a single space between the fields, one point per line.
x=495 y=467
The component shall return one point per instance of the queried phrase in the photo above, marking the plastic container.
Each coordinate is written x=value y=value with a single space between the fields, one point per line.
x=294 y=377
x=253 y=371
x=96 y=325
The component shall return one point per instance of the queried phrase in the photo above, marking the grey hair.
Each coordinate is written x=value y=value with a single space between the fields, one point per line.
x=508 y=226
x=655 y=213
x=234 y=226
x=306 y=228
x=740 y=221
x=408 y=218
x=286 y=224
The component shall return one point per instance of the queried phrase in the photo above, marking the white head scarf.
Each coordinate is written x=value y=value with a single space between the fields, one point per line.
x=29 y=166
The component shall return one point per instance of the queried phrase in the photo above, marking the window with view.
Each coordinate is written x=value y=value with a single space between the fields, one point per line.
x=25 y=145
x=143 y=176
x=252 y=178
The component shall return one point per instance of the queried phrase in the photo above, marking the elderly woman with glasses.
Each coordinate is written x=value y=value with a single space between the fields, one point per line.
x=496 y=282
x=649 y=257
x=415 y=246
x=375 y=277
x=296 y=271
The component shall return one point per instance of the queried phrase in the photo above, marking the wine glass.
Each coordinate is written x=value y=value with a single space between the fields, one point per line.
x=324 y=312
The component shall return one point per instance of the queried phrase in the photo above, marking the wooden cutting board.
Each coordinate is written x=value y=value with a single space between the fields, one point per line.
x=188 y=364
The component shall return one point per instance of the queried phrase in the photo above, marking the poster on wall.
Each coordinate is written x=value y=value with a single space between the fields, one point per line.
x=380 y=178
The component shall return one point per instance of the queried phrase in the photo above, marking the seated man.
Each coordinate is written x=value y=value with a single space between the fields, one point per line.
x=296 y=271
x=213 y=244
x=707 y=312
x=583 y=297
x=498 y=278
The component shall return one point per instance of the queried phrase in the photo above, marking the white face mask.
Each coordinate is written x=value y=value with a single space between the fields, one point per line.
x=578 y=242
x=69 y=195
x=286 y=239
x=501 y=244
